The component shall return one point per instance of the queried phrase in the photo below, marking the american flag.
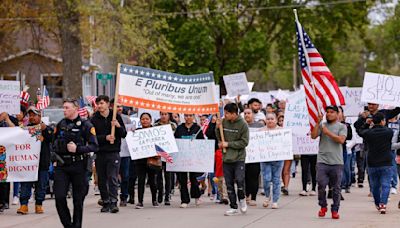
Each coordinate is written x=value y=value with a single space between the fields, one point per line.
x=25 y=98
x=82 y=110
x=207 y=124
x=91 y=100
x=319 y=84
x=44 y=101
x=162 y=153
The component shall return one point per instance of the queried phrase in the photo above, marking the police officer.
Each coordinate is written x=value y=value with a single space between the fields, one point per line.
x=74 y=139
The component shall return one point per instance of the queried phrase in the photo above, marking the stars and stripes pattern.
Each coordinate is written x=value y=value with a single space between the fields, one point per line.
x=82 y=109
x=162 y=153
x=91 y=100
x=320 y=86
x=25 y=98
x=206 y=124
x=44 y=100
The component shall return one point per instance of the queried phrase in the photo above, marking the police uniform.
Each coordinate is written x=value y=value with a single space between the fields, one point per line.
x=71 y=167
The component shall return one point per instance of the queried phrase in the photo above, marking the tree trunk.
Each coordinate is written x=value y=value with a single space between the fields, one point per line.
x=68 y=23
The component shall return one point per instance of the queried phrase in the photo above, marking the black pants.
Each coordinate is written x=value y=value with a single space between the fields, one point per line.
x=132 y=179
x=251 y=176
x=142 y=170
x=4 y=193
x=76 y=175
x=308 y=164
x=107 y=167
x=234 y=172
x=194 y=186
x=329 y=175
x=361 y=163
x=160 y=183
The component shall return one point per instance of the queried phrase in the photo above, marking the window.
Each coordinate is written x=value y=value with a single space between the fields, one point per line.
x=53 y=83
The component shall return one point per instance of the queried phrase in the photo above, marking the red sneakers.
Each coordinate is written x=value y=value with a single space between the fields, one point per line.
x=335 y=215
x=322 y=212
x=382 y=208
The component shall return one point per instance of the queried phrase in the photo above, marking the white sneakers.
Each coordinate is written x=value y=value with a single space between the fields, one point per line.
x=274 y=206
x=15 y=200
x=231 y=212
x=312 y=193
x=393 y=191
x=184 y=205
x=303 y=193
x=243 y=206
x=242 y=209
x=96 y=190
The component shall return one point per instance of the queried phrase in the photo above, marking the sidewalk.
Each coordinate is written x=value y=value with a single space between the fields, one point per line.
x=357 y=210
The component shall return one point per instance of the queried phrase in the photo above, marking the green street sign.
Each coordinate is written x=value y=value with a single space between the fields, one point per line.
x=104 y=77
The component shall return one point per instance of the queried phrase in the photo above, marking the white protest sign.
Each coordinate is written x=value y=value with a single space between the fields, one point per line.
x=296 y=114
x=141 y=143
x=19 y=154
x=236 y=84
x=217 y=92
x=272 y=145
x=10 y=97
x=381 y=89
x=146 y=88
x=352 y=97
x=356 y=138
x=194 y=156
x=305 y=145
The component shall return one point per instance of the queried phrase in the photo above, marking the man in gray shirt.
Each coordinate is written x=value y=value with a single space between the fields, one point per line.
x=330 y=158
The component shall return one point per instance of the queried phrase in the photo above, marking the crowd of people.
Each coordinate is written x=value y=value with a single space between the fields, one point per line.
x=69 y=147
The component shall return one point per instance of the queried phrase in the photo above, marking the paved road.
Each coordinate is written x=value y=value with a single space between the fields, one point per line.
x=357 y=210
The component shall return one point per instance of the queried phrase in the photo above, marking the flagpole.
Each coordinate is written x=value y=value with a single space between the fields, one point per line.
x=309 y=71
x=114 y=116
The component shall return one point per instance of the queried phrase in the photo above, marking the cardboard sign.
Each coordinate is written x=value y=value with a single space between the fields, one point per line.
x=164 y=91
x=381 y=89
x=352 y=97
x=10 y=97
x=236 y=84
x=272 y=145
x=193 y=156
x=19 y=154
x=141 y=143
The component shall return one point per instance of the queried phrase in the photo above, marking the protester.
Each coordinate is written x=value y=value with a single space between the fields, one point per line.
x=189 y=130
x=165 y=119
x=107 y=157
x=44 y=163
x=252 y=169
x=125 y=159
x=6 y=121
x=271 y=171
x=346 y=176
x=236 y=133
x=74 y=139
x=287 y=164
x=255 y=106
x=394 y=125
x=379 y=141
x=222 y=194
x=143 y=170
x=369 y=111
x=308 y=165
x=330 y=158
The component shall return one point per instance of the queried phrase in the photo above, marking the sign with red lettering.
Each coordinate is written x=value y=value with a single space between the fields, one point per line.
x=19 y=155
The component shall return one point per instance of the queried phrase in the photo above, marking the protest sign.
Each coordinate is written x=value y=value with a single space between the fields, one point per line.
x=164 y=91
x=236 y=84
x=10 y=97
x=356 y=138
x=194 y=156
x=272 y=145
x=19 y=154
x=296 y=114
x=352 y=97
x=305 y=145
x=381 y=89
x=141 y=143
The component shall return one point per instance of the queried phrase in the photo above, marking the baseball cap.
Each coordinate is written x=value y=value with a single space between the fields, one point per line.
x=332 y=107
x=34 y=110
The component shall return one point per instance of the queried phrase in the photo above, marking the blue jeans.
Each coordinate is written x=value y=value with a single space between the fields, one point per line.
x=271 y=172
x=124 y=172
x=16 y=189
x=214 y=189
x=346 y=176
x=380 y=183
x=40 y=189
x=395 y=176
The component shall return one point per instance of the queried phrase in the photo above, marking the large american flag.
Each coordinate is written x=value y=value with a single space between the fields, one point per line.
x=314 y=71
x=44 y=101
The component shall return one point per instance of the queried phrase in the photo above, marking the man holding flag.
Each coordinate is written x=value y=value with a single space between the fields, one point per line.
x=322 y=91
